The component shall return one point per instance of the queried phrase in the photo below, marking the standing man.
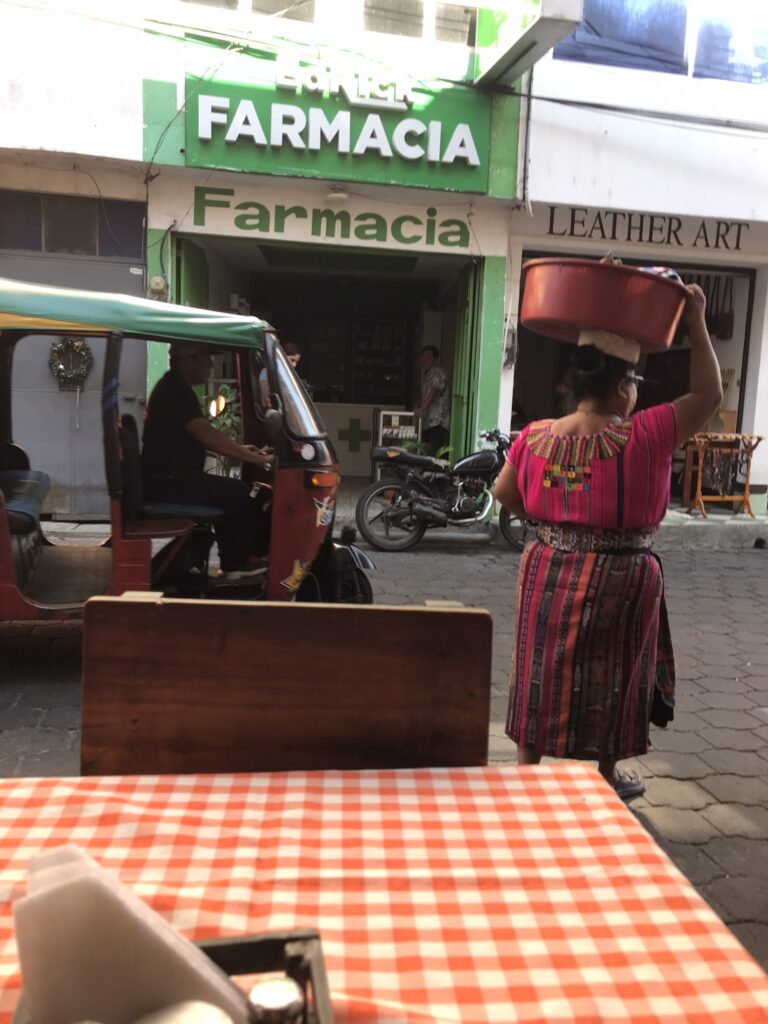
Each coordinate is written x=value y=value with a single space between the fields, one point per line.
x=176 y=438
x=433 y=408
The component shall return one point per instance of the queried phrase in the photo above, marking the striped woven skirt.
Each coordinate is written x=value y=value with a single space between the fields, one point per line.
x=592 y=645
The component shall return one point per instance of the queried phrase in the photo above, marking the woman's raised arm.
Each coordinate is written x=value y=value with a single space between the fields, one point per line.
x=695 y=409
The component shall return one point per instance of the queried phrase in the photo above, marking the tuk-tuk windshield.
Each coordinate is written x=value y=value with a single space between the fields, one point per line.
x=301 y=418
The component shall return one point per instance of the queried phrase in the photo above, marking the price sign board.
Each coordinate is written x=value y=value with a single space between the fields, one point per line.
x=396 y=428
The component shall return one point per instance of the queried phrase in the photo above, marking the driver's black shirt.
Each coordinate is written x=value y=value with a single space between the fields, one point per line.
x=168 y=446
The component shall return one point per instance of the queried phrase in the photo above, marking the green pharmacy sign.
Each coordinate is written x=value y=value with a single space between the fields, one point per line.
x=295 y=222
x=353 y=434
x=354 y=124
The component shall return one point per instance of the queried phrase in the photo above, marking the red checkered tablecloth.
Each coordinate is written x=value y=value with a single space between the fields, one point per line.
x=462 y=895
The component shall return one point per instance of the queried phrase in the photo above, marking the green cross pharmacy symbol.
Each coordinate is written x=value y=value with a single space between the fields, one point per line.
x=353 y=434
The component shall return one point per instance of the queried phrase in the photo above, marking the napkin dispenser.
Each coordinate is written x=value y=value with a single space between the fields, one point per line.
x=91 y=949
x=297 y=953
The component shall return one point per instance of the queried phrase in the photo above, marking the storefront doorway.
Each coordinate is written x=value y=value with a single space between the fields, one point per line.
x=360 y=319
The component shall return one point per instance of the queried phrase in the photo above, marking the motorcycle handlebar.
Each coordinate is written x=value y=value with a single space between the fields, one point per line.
x=493 y=435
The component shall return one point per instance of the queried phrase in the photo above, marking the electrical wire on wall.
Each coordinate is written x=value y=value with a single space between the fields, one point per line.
x=163 y=240
x=115 y=239
x=470 y=225
x=510 y=327
x=689 y=121
x=526 y=198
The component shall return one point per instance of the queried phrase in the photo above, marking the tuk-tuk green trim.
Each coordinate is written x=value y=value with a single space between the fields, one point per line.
x=31 y=307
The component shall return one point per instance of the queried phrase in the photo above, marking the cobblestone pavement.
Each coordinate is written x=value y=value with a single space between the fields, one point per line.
x=707 y=778
x=706 y=799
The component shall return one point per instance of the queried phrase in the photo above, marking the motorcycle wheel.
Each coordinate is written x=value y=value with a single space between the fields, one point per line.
x=515 y=531
x=381 y=522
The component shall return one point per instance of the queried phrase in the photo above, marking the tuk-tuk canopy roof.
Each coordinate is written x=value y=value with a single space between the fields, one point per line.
x=34 y=307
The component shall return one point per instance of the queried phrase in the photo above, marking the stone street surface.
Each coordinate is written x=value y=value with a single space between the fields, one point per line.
x=707 y=778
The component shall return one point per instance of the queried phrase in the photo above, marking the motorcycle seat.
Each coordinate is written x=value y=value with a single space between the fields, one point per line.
x=406 y=458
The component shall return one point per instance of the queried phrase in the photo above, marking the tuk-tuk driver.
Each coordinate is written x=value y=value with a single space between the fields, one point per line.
x=177 y=436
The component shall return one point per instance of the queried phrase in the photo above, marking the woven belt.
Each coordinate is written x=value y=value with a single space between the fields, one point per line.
x=583 y=539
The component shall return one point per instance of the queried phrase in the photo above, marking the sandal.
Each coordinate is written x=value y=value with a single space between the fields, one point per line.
x=628 y=785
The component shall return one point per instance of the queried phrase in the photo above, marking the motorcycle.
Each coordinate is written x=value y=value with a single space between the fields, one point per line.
x=423 y=492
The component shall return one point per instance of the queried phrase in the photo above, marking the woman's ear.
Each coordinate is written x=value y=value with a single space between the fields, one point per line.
x=626 y=395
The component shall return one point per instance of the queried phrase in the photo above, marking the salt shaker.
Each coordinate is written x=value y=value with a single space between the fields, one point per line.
x=276 y=1001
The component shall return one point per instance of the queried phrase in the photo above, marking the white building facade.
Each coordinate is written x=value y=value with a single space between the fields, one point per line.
x=334 y=171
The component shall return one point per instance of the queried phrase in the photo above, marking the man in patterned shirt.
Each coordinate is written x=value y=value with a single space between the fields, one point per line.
x=433 y=409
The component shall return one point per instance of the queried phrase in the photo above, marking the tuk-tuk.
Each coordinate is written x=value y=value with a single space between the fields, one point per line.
x=44 y=580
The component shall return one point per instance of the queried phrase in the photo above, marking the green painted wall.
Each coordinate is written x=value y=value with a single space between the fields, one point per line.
x=491 y=343
x=498 y=28
x=505 y=136
x=462 y=384
x=163 y=124
x=157 y=264
x=192 y=286
x=478 y=353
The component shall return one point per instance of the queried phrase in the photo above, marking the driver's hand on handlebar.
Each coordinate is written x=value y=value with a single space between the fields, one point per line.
x=262 y=457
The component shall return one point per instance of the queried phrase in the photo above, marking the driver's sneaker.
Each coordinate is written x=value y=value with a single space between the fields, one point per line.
x=248 y=572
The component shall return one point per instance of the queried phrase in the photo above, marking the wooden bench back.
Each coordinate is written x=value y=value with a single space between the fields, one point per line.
x=173 y=686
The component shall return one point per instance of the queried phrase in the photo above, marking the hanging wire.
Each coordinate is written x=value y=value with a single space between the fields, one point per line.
x=115 y=239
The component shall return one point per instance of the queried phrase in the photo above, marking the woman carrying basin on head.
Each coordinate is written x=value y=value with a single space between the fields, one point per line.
x=593 y=654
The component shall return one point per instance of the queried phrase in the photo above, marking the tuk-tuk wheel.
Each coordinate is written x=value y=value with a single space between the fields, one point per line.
x=362 y=587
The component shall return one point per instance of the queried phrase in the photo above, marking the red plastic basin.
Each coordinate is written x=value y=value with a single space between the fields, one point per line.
x=562 y=297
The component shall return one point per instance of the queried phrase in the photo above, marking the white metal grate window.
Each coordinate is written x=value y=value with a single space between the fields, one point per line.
x=395 y=17
x=299 y=10
x=449 y=21
x=455 y=24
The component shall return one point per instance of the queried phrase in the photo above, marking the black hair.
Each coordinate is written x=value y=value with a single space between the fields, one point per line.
x=433 y=350
x=291 y=349
x=593 y=374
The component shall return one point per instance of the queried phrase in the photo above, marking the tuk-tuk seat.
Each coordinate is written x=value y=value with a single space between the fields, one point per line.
x=24 y=491
x=150 y=529
x=135 y=509
x=163 y=509
x=403 y=457
x=158 y=519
